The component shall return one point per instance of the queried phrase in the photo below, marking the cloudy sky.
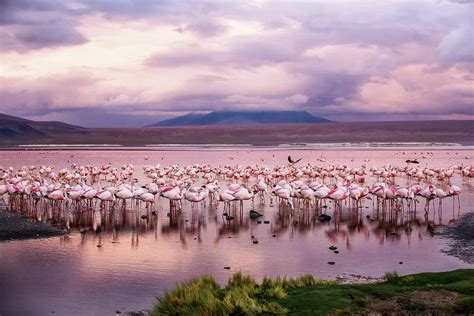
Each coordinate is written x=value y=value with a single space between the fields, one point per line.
x=135 y=62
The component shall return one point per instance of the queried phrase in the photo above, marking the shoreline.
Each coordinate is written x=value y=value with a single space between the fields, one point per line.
x=276 y=148
x=264 y=134
x=15 y=226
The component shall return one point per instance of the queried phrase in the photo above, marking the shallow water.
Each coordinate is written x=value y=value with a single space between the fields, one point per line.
x=140 y=258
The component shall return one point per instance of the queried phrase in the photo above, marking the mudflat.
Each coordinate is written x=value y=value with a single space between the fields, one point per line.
x=16 y=226
x=267 y=134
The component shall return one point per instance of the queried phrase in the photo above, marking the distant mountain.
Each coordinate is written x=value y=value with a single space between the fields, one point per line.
x=237 y=118
x=13 y=127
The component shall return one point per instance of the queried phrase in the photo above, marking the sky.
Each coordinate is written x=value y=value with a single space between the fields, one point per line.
x=126 y=63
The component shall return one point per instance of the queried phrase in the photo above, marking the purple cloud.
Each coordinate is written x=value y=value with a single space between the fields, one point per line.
x=347 y=61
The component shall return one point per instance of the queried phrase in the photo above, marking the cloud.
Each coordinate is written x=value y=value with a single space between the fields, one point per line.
x=38 y=24
x=204 y=28
x=458 y=45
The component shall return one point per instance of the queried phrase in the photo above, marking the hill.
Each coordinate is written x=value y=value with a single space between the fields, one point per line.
x=240 y=118
x=14 y=128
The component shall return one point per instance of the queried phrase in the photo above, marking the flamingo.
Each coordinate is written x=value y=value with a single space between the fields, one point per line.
x=226 y=196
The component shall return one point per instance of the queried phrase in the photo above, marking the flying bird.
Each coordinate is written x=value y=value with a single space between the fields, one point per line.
x=293 y=161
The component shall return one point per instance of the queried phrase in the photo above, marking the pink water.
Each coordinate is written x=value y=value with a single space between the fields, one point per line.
x=140 y=258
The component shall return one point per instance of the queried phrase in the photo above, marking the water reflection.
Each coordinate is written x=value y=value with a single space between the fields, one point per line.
x=369 y=220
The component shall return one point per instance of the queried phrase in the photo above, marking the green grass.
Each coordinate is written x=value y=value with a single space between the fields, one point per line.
x=444 y=292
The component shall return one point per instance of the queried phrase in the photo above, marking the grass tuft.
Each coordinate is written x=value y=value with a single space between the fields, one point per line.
x=434 y=293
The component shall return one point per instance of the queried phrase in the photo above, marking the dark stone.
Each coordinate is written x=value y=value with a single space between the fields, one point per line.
x=324 y=218
x=274 y=235
x=227 y=268
x=332 y=248
x=255 y=241
x=266 y=222
x=331 y=263
x=336 y=251
x=98 y=246
x=259 y=222
x=254 y=214
x=400 y=262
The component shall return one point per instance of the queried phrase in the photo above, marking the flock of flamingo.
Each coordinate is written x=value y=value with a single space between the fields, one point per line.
x=293 y=186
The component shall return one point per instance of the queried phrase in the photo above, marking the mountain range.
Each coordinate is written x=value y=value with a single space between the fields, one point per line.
x=251 y=128
x=240 y=118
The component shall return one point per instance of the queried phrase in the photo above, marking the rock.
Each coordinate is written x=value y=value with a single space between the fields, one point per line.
x=336 y=251
x=254 y=214
x=227 y=268
x=259 y=222
x=332 y=248
x=98 y=246
x=266 y=222
x=400 y=262
x=274 y=235
x=255 y=241
x=331 y=263
x=324 y=218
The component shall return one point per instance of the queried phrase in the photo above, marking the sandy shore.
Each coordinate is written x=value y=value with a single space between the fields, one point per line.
x=15 y=226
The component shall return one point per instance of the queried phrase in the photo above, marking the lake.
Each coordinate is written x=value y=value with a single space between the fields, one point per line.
x=117 y=260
